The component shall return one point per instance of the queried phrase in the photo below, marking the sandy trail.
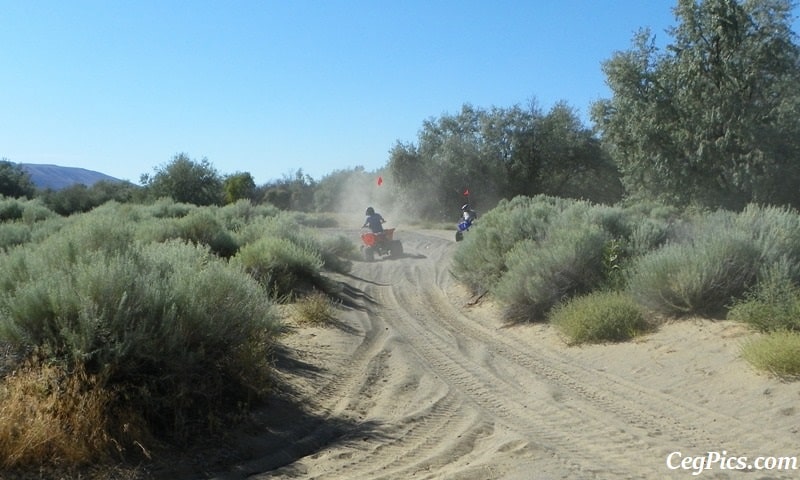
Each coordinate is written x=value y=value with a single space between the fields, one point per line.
x=413 y=382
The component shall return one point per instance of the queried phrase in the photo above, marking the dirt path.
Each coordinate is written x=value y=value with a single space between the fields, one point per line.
x=414 y=383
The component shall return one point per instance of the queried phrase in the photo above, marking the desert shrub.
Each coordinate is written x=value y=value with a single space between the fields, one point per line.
x=10 y=209
x=59 y=243
x=336 y=251
x=332 y=251
x=644 y=226
x=103 y=230
x=569 y=262
x=651 y=209
x=184 y=334
x=774 y=304
x=42 y=230
x=199 y=226
x=715 y=257
x=599 y=317
x=36 y=211
x=480 y=261
x=202 y=227
x=612 y=219
x=649 y=234
x=25 y=210
x=236 y=216
x=700 y=278
x=314 y=309
x=154 y=230
x=284 y=268
x=13 y=233
x=776 y=353
x=168 y=208
x=776 y=232
x=315 y=220
x=521 y=249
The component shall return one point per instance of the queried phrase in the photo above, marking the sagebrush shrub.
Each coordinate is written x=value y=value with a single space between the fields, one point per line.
x=315 y=220
x=202 y=227
x=199 y=226
x=168 y=208
x=283 y=267
x=163 y=328
x=632 y=230
x=776 y=232
x=170 y=323
x=773 y=304
x=36 y=211
x=13 y=233
x=648 y=235
x=701 y=278
x=10 y=209
x=480 y=261
x=331 y=251
x=540 y=275
x=335 y=252
x=238 y=215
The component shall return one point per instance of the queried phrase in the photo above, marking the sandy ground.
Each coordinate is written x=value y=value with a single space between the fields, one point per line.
x=413 y=382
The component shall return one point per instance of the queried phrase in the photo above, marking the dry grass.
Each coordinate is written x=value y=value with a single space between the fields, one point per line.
x=314 y=309
x=776 y=353
x=600 y=317
x=52 y=417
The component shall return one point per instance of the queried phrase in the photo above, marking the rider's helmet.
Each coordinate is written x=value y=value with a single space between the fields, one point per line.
x=465 y=207
x=370 y=211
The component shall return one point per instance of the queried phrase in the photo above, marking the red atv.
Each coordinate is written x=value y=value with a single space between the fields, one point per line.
x=381 y=243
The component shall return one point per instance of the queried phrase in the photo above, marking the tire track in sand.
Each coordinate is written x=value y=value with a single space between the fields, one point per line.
x=453 y=396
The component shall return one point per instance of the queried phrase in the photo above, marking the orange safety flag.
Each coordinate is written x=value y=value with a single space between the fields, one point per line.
x=380 y=181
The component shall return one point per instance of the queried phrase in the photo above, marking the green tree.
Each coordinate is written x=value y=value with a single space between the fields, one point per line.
x=238 y=186
x=79 y=198
x=186 y=181
x=291 y=192
x=501 y=153
x=66 y=201
x=14 y=181
x=712 y=120
x=333 y=191
x=560 y=157
x=104 y=191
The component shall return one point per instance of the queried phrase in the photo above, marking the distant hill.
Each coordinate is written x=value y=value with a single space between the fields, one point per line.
x=55 y=177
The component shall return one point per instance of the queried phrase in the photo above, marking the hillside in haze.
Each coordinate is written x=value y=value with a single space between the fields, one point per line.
x=56 y=177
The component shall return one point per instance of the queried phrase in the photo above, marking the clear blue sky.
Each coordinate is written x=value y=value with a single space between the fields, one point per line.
x=270 y=87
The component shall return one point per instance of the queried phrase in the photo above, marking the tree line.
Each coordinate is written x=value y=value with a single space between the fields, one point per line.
x=709 y=120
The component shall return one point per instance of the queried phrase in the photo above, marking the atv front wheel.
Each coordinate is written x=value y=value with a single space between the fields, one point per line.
x=369 y=254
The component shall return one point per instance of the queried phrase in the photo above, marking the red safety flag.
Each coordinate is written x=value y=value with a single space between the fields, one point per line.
x=380 y=181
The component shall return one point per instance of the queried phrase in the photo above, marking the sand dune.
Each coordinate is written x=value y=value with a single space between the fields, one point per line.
x=412 y=382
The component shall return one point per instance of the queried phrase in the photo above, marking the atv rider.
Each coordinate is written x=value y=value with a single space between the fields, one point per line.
x=468 y=214
x=374 y=221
